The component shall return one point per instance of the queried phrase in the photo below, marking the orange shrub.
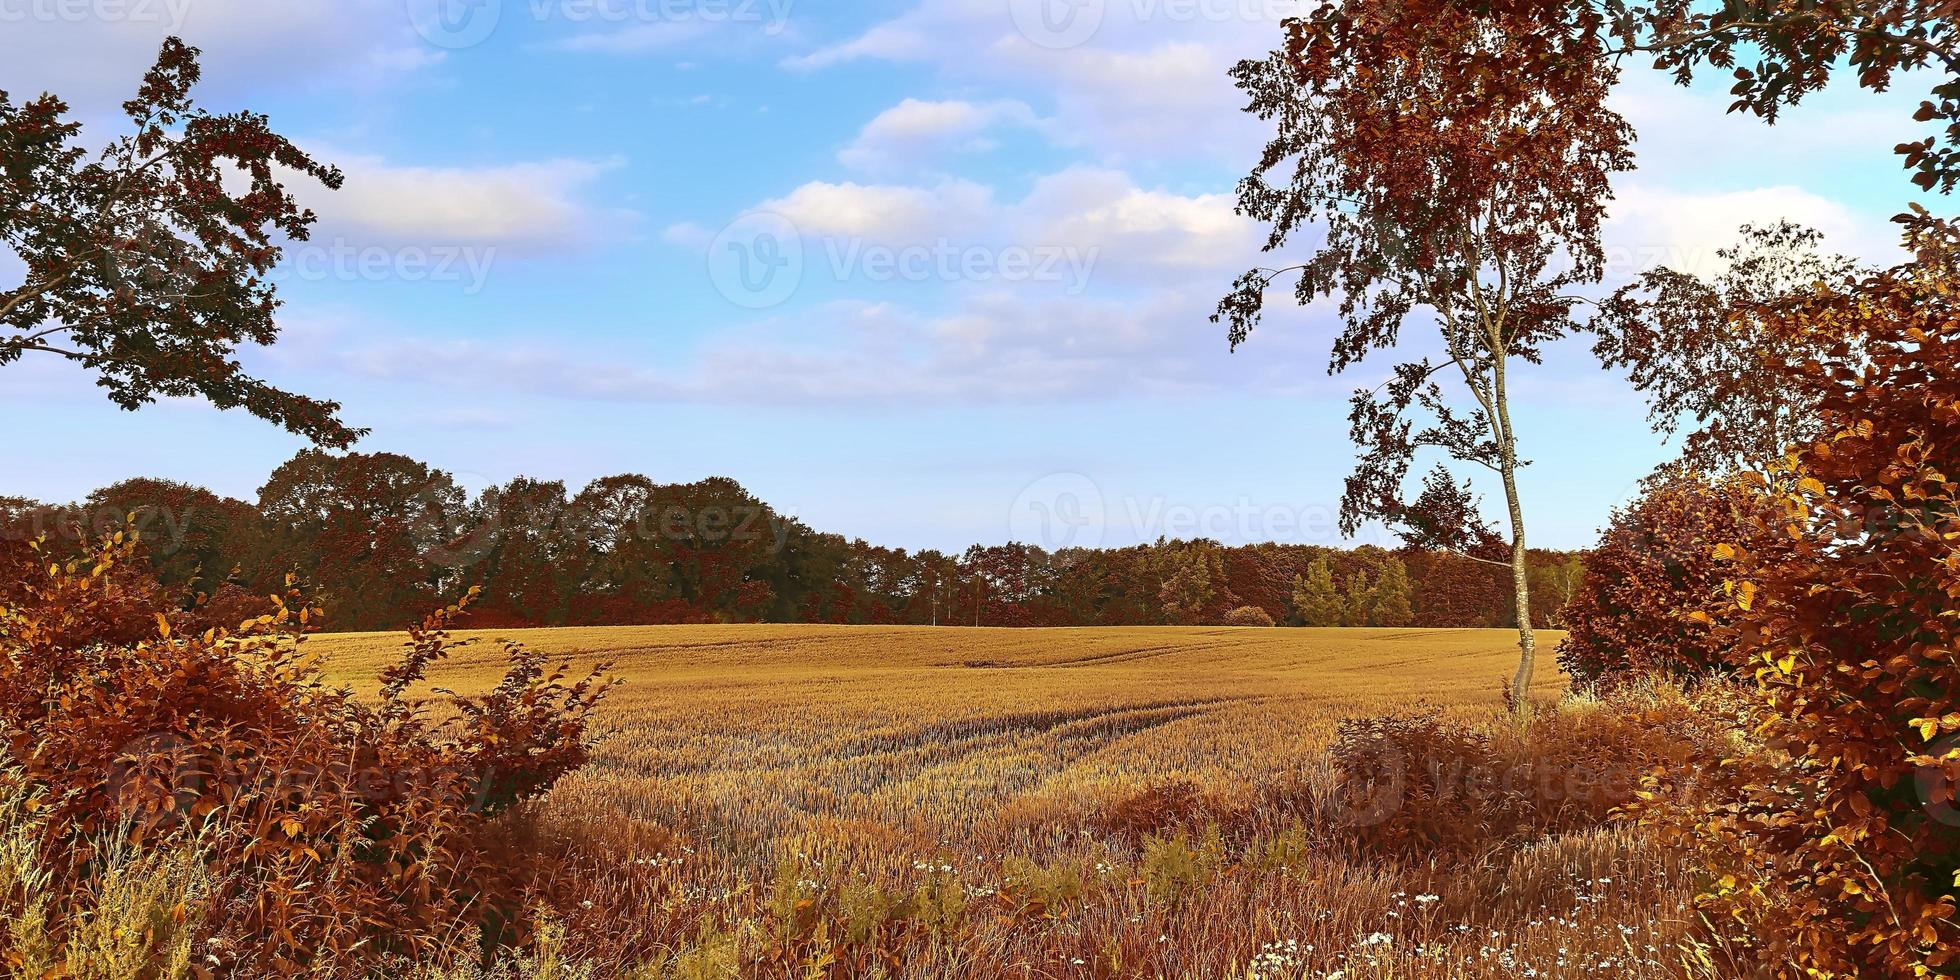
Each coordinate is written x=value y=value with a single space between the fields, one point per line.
x=1840 y=853
x=1248 y=616
x=1652 y=592
x=335 y=830
x=1423 y=786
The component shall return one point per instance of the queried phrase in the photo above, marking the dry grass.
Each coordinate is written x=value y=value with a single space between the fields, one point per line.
x=935 y=803
x=747 y=734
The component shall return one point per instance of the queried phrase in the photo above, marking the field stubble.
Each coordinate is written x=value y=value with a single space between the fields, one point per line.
x=979 y=802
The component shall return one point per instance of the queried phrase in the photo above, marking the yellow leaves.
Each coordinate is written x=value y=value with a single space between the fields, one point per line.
x=1812 y=486
x=1724 y=552
x=1930 y=728
x=1744 y=593
x=163 y=626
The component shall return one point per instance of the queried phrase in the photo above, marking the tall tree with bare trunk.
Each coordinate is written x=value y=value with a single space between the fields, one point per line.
x=1456 y=161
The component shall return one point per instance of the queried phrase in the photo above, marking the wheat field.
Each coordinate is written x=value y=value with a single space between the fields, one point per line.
x=936 y=802
x=749 y=733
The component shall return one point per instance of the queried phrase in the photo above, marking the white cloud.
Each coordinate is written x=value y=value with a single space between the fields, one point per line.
x=905 y=134
x=94 y=55
x=1131 y=233
x=1140 y=230
x=523 y=204
x=1651 y=227
x=1150 y=84
x=886 y=213
x=1154 y=263
x=913 y=36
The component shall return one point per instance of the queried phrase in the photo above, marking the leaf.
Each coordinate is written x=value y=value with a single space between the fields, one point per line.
x=1745 y=595
x=163 y=626
x=1724 y=552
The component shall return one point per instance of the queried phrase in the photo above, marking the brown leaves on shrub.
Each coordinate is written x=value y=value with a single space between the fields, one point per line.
x=1158 y=809
x=1838 y=854
x=1423 y=786
x=1248 y=616
x=1652 y=593
x=335 y=829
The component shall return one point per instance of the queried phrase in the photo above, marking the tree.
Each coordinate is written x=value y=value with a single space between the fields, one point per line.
x=1355 y=600
x=1314 y=599
x=380 y=534
x=1192 y=578
x=1553 y=585
x=1702 y=352
x=192 y=538
x=1799 y=44
x=1840 y=839
x=1388 y=604
x=146 y=264
x=1456 y=159
x=528 y=557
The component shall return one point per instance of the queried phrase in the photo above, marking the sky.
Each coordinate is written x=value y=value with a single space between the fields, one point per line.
x=925 y=272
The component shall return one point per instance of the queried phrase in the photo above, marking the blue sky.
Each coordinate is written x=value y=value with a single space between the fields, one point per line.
x=995 y=238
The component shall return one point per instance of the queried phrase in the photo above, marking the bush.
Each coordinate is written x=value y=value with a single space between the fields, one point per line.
x=1422 y=786
x=1839 y=852
x=1652 y=592
x=1248 y=616
x=332 y=830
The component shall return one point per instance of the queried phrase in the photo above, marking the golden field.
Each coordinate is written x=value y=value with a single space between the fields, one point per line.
x=747 y=733
x=937 y=802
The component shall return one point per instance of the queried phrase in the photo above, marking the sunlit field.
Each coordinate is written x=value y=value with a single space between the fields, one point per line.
x=750 y=733
x=747 y=765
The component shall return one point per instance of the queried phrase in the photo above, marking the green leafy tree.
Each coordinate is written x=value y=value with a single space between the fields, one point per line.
x=146 y=264
x=1191 y=582
x=1315 y=599
x=1356 y=600
x=1389 y=604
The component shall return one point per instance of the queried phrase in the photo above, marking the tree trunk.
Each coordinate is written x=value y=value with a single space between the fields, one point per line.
x=1521 y=586
x=1520 y=569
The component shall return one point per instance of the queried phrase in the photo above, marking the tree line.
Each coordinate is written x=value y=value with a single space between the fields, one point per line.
x=383 y=537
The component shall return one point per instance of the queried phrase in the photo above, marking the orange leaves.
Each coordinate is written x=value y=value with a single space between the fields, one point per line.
x=315 y=801
x=1846 y=842
x=1659 y=587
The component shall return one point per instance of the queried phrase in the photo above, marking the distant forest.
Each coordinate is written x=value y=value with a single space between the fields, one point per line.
x=382 y=539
